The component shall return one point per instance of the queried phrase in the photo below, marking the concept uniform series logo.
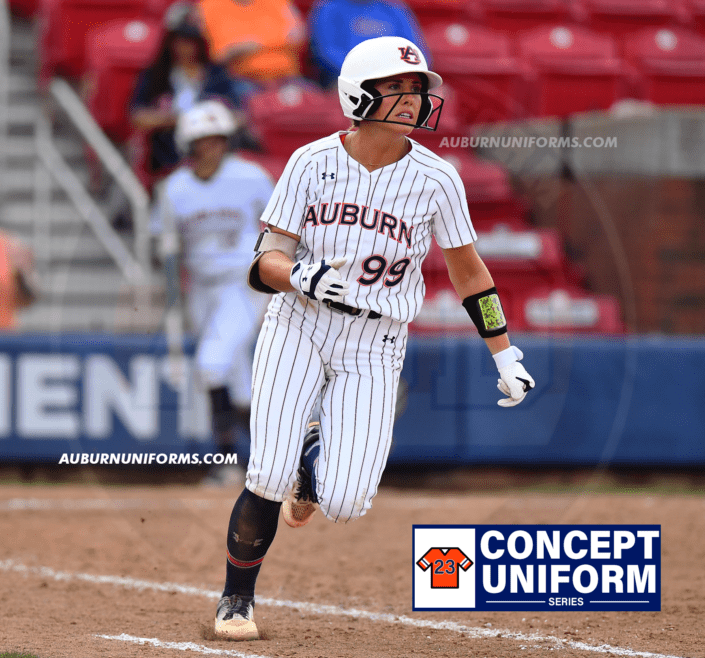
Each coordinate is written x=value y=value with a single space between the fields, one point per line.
x=537 y=567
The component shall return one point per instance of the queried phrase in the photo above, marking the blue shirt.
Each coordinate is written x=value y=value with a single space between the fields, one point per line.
x=337 y=26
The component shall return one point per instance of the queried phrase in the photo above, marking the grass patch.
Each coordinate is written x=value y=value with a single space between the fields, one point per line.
x=17 y=654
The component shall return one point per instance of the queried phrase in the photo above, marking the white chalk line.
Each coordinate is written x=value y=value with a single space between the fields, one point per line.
x=180 y=646
x=118 y=504
x=102 y=504
x=335 y=611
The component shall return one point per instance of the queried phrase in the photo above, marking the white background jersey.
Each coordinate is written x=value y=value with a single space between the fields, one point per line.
x=218 y=218
x=381 y=221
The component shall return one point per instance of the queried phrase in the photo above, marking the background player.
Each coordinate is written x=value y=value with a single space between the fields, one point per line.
x=350 y=222
x=214 y=204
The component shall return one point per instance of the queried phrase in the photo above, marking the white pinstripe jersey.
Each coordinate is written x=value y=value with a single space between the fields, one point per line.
x=218 y=217
x=381 y=221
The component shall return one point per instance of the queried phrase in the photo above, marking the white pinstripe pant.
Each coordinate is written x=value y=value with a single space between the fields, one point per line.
x=306 y=349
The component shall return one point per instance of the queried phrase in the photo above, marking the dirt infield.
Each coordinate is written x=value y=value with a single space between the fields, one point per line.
x=107 y=570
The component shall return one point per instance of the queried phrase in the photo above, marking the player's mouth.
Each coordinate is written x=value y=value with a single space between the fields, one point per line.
x=405 y=115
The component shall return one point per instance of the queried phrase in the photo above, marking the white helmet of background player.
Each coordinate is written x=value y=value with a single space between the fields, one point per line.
x=378 y=58
x=204 y=119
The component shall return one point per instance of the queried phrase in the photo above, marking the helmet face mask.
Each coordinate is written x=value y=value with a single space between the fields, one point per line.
x=428 y=116
x=380 y=58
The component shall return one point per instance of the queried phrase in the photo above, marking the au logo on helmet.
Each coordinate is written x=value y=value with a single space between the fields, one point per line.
x=409 y=55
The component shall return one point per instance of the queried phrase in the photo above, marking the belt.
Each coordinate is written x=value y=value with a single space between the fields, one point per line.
x=351 y=310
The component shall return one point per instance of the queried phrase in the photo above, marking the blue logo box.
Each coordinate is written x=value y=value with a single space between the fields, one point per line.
x=537 y=567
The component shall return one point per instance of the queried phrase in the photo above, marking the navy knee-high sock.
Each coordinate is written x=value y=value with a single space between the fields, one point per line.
x=253 y=524
x=309 y=459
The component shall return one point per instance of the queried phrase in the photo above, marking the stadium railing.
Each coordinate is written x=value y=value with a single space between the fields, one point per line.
x=136 y=266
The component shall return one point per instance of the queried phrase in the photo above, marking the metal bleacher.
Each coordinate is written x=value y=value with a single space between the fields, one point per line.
x=45 y=201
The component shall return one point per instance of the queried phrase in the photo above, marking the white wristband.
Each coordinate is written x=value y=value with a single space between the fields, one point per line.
x=508 y=356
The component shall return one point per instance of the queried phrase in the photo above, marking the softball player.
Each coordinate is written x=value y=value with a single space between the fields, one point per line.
x=349 y=224
x=214 y=205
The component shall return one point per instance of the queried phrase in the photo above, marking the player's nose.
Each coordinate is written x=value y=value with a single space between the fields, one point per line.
x=411 y=96
x=409 y=99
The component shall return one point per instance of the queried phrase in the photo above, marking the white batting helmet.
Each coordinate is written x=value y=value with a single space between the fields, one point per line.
x=378 y=58
x=204 y=119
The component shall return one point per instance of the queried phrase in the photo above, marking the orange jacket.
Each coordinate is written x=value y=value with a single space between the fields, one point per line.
x=272 y=26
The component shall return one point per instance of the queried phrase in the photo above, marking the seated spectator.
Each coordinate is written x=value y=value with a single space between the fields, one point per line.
x=261 y=40
x=336 y=26
x=181 y=74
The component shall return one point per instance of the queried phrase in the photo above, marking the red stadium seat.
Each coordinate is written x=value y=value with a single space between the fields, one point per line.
x=544 y=310
x=157 y=8
x=491 y=200
x=24 y=8
x=443 y=313
x=671 y=63
x=429 y=11
x=294 y=115
x=273 y=164
x=304 y=6
x=115 y=55
x=519 y=262
x=64 y=25
x=574 y=70
x=618 y=17
x=569 y=310
x=523 y=260
x=696 y=14
x=478 y=64
x=450 y=123
x=514 y=16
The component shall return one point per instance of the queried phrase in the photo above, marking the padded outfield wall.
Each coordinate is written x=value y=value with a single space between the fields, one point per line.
x=607 y=401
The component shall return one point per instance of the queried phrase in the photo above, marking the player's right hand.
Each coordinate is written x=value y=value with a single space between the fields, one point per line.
x=515 y=382
x=320 y=281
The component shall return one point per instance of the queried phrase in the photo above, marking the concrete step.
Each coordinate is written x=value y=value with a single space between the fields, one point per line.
x=82 y=247
x=22 y=114
x=23 y=180
x=26 y=195
x=21 y=84
x=27 y=144
x=19 y=216
x=23 y=36
x=24 y=64
x=66 y=281
x=94 y=282
x=42 y=318
x=77 y=247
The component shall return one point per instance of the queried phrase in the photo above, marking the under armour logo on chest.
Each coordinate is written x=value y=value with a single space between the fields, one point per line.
x=324 y=175
x=389 y=338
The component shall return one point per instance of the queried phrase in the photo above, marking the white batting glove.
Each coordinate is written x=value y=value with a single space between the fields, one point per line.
x=320 y=281
x=515 y=382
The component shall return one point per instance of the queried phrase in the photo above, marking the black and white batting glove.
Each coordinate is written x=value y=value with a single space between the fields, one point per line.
x=515 y=382
x=320 y=281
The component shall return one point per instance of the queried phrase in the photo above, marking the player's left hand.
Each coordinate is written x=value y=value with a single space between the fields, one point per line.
x=514 y=381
